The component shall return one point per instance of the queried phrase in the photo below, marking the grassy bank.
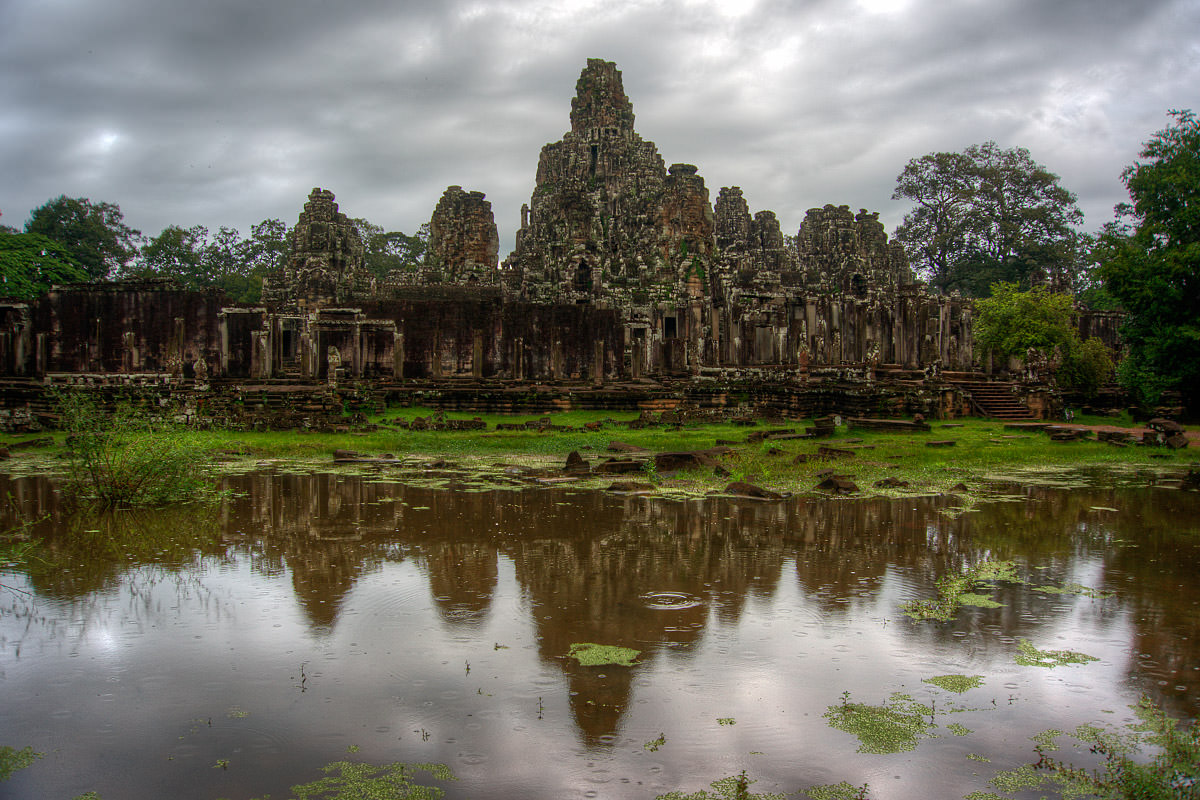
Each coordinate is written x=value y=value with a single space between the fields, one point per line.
x=981 y=450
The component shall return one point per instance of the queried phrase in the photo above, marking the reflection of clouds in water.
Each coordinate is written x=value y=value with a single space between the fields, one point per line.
x=422 y=625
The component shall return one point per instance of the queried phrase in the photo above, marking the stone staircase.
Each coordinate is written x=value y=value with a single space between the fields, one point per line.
x=995 y=400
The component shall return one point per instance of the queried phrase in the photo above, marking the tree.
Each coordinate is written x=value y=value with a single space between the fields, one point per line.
x=1011 y=322
x=1152 y=264
x=222 y=260
x=987 y=215
x=94 y=233
x=389 y=250
x=31 y=263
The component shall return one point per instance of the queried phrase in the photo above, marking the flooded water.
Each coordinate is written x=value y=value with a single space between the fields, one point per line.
x=231 y=653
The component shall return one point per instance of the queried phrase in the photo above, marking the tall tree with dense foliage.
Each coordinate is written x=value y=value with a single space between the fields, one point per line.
x=94 y=233
x=31 y=263
x=391 y=250
x=988 y=215
x=1152 y=264
x=224 y=260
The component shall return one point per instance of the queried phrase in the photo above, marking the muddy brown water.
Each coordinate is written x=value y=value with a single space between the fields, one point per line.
x=232 y=652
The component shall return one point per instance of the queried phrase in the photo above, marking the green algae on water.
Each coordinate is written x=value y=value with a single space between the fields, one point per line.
x=600 y=655
x=1045 y=740
x=735 y=787
x=1030 y=656
x=1077 y=589
x=892 y=727
x=837 y=791
x=954 y=591
x=959 y=730
x=978 y=601
x=350 y=779
x=956 y=683
x=12 y=760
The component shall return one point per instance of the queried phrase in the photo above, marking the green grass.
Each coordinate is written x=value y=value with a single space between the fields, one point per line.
x=983 y=450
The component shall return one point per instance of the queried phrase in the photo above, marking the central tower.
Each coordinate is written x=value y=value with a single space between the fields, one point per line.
x=607 y=224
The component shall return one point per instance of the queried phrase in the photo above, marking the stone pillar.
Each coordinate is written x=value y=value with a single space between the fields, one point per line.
x=435 y=367
x=639 y=358
x=129 y=355
x=175 y=348
x=518 y=359
x=398 y=356
x=477 y=356
x=308 y=367
x=260 y=354
x=39 y=355
x=556 y=360
x=598 y=363
x=356 y=368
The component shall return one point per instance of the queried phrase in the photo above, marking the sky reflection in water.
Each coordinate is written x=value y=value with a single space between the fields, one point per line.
x=316 y=613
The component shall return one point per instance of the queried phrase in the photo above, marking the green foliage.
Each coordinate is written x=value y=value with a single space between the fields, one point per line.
x=1030 y=656
x=599 y=655
x=895 y=726
x=838 y=791
x=95 y=234
x=956 y=683
x=987 y=215
x=1086 y=366
x=349 y=780
x=954 y=591
x=1011 y=322
x=223 y=260
x=1150 y=262
x=30 y=263
x=128 y=458
x=1172 y=771
x=392 y=250
x=735 y=787
x=12 y=760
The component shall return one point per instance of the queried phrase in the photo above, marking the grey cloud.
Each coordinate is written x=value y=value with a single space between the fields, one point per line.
x=228 y=112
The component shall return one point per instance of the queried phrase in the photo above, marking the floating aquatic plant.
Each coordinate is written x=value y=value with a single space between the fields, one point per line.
x=12 y=760
x=954 y=591
x=838 y=791
x=350 y=780
x=956 y=683
x=599 y=655
x=654 y=744
x=1075 y=588
x=958 y=730
x=1030 y=656
x=978 y=601
x=892 y=727
x=1173 y=771
x=735 y=787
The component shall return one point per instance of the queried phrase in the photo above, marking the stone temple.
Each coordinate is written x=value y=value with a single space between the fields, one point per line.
x=628 y=285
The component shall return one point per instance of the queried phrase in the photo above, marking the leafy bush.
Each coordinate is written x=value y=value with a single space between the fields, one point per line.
x=1011 y=322
x=128 y=458
x=1086 y=367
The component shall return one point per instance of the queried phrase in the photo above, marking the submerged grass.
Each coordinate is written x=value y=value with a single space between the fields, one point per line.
x=1155 y=758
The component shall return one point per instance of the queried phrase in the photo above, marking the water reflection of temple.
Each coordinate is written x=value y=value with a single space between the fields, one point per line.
x=585 y=561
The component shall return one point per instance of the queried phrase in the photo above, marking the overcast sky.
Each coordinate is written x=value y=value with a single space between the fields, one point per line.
x=227 y=112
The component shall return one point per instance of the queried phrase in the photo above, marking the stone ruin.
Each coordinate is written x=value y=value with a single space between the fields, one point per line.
x=623 y=270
